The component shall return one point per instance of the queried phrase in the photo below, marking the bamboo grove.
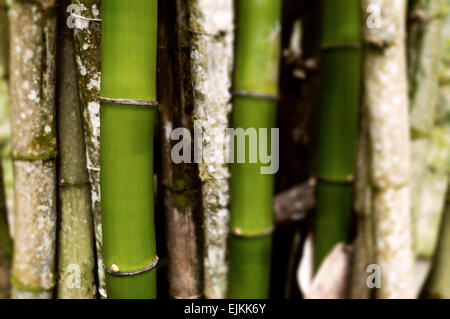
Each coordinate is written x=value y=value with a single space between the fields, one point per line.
x=243 y=149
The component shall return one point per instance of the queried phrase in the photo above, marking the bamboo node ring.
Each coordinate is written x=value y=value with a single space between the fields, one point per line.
x=114 y=270
x=129 y=102
x=238 y=233
x=258 y=95
x=85 y=18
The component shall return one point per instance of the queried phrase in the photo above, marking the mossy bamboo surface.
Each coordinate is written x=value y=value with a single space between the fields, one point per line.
x=75 y=241
x=5 y=238
x=429 y=179
x=212 y=31
x=34 y=148
x=340 y=83
x=182 y=192
x=129 y=42
x=386 y=100
x=256 y=72
x=87 y=38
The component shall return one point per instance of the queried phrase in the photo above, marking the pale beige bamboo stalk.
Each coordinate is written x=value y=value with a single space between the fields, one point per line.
x=211 y=26
x=33 y=44
x=386 y=98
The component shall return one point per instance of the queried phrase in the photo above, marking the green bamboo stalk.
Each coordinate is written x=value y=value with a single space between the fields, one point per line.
x=438 y=282
x=428 y=180
x=87 y=36
x=182 y=187
x=75 y=246
x=341 y=72
x=129 y=36
x=256 y=73
x=386 y=99
x=211 y=29
x=34 y=147
x=5 y=238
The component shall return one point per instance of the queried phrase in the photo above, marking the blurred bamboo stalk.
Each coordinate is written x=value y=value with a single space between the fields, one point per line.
x=75 y=241
x=34 y=147
x=5 y=238
x=256 y=76
x=428 y=177
x=87 y=35
x=182 y=187
x=338 y=125
x=386 y=99
x=211 y=29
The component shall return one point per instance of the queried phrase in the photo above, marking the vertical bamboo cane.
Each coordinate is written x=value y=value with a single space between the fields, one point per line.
x=428 y=181
x=87 y=35
x=33 y=39
x=75 y=249
x=5 y=239
x=182 y=192
x=129 y=36
x=340 y=81
x=211 y=29
x=386 y=99
x=256 y=84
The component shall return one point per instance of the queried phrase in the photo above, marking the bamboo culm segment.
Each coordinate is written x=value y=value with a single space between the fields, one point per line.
x=129 y=43
x=386 y=101
x=87 y=40
x=256 y=72
x=34 y=147
x=340 y=83
x=75 y=214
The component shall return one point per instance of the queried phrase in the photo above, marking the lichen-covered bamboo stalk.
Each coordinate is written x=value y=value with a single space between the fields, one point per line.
x=386 y=99
x=87 y=37
x=428 y=179
x=256 y=73
x=181 y=183
x=75 y=241
x=34 y=147
x=5 y=239
x=339 y=105
x=128 y=111
x=211 y=29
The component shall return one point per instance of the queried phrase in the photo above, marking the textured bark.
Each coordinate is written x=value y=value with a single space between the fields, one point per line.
x=211 y=29
x=76 y=247
x=428 y=180
x=33 y=46
x=181 y=182
x=5 y=239
x=88 y=57
x=386 y=99
x=363 y=253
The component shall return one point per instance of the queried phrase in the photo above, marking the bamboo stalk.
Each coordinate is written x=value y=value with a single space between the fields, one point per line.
x=386 y=99
x=34 y=149
x=129 y=42
x=75 y=247
x=341 y=56
x=256 y=73
x=181 y=182
x=5 y=238
x=427 y=181
x=211 y=29
x=87 y=36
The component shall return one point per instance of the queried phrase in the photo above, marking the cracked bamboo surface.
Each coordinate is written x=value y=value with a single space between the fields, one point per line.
x=75 y=241
x=386 y=99
x=211 y=39
x=182 y=187
x=33 y=44
x=87 y=39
